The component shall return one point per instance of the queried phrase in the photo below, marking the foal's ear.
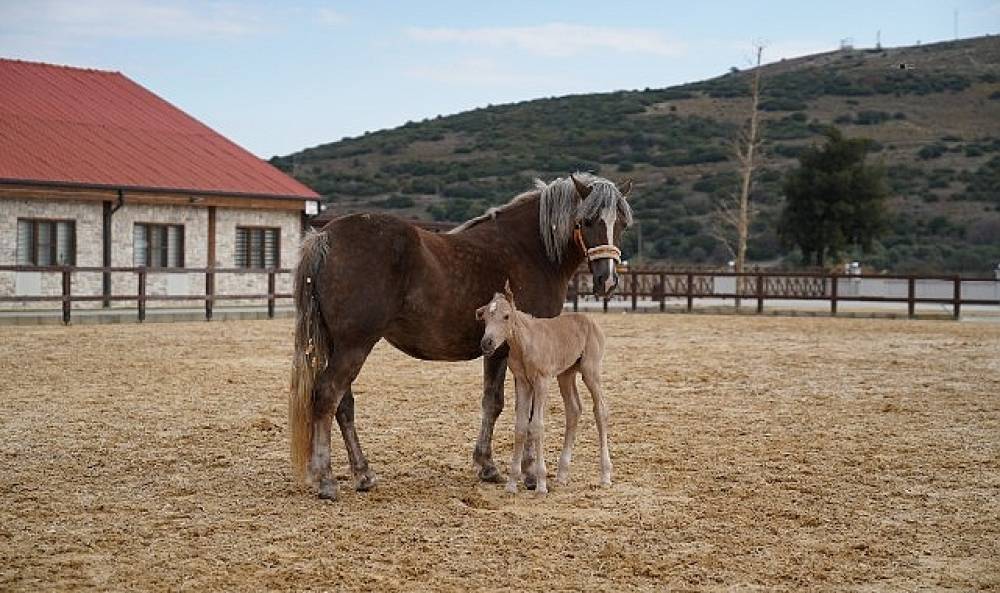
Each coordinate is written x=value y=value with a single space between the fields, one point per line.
x=581 y=189
x=626 y=188
x=481 y=313
x=508 y=293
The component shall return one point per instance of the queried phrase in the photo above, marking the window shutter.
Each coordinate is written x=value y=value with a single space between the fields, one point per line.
x=25 y=241
x=256 y=248
x=241 y=248
x=140 y=246
x=271 y=248
x=65 y=243
x=175 y=246
x=44 y=243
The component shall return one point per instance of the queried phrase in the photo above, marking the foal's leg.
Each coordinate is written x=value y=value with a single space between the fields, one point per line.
x=364 y=477
x=536 y=433
x=522 y=408
x=571 y=402
x=332 y=384
x=494 y=372
x=592 y=378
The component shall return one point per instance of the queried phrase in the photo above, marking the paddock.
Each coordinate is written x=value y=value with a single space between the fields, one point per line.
x=749 y=452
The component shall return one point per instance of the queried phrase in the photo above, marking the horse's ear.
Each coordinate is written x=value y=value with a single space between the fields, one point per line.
x=481 y=313
x=581 y=189
x=626 y=188
x=507 y=292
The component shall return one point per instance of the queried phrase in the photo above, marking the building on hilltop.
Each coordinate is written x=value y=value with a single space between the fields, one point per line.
x=96 y=170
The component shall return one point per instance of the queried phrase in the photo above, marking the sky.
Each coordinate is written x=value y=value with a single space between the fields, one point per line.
x=277 y=77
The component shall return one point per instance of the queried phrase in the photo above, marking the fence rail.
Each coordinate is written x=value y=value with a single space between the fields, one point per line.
x=635 y=284
x=659 y=286
x=142 y=295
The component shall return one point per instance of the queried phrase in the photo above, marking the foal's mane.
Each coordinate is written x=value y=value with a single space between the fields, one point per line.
x=559 y=209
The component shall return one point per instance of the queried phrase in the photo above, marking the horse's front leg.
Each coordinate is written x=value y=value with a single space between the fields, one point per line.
x=494 y=372
x=522 y=410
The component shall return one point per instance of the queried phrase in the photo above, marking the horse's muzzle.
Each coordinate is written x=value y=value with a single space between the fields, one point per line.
x=487 y=346
x=605 y=284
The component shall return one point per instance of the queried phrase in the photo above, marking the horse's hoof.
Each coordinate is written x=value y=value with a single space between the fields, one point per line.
x=541 y=491
x=366 y=482
x=328 y=490
x=530 y=482
x=511 y=488
x=490 y=473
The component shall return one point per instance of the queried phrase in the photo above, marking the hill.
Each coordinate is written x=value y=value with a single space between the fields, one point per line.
x=933 y=111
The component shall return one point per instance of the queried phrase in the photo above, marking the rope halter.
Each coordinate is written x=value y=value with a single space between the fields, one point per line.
x=599 y=252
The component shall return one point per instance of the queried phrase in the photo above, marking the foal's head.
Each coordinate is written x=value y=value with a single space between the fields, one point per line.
x=498 y=315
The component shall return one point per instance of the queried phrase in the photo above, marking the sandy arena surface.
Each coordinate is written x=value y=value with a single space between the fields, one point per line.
x=750 y=453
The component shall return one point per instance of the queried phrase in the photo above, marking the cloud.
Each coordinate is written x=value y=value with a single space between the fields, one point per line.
x=89 y=19
x=331 y=17
x=471 y=71
x=555 y=39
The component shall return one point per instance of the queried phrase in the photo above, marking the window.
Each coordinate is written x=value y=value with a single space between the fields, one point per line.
x=158 y=245
x=46 y=242
x=257 y=247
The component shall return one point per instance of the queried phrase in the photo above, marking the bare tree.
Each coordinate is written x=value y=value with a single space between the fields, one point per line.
x=733 y=214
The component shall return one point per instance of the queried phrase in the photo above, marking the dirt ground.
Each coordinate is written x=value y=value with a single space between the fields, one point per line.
x=750 y=453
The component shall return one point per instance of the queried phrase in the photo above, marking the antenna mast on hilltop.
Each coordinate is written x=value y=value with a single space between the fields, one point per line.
x=878 y=39
x=955 y=24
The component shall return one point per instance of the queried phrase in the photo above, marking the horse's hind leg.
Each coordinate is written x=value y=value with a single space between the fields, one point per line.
x=536 y=433
x=571 y=403
x=332 y=384
x=364 y=477
x=591 y=377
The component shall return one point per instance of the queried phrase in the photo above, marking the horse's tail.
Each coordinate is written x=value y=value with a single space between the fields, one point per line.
x=311 y=349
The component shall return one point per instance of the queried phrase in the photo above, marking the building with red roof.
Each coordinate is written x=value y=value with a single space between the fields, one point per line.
x=96 y=170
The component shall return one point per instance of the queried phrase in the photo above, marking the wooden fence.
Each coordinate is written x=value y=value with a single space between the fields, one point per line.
x=658 y=286
x=142 y=295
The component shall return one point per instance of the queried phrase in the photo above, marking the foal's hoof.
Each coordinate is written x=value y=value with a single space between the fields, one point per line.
x=530 y=482
x=365 y=482
x=490 y=473
x=328 y=490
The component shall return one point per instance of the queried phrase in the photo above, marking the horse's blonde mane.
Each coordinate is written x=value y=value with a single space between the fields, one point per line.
x=559 y=209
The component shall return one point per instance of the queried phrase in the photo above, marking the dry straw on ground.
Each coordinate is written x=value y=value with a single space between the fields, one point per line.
x=784 y=454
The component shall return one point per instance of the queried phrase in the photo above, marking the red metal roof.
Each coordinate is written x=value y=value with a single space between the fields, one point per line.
x=96 y=128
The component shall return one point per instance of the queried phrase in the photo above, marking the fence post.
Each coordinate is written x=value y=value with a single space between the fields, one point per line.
x=690 y=291
x=957 y=299
x=209 y=294
x=270 y=294
x=911 y=294
x=67 y=280
x=576 y=292
x=663 y=292
x=141 y=301
x=833 y=294
x=605 y=304
x=760 y=292
x=635 y=290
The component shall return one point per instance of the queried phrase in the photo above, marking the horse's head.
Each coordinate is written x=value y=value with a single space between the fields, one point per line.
x=498 y=314
x=602 y=215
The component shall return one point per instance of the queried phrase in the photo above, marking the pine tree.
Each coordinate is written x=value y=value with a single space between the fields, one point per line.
x=833 y=199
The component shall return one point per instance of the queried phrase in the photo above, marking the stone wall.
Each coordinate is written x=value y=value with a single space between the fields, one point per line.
x=88 y=217
x=88 y=249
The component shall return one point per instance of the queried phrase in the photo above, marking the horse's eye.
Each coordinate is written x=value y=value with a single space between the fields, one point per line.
x=507 y=316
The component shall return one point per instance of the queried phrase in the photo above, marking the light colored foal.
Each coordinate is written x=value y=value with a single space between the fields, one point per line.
x=541 y=349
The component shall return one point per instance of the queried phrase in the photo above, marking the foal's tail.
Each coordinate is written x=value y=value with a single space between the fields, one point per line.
x=311 y=348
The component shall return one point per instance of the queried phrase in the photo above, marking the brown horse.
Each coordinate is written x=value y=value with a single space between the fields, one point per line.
x=365 y=277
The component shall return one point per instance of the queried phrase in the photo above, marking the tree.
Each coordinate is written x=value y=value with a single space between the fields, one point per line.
x=731 y=223
x=833 y=199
